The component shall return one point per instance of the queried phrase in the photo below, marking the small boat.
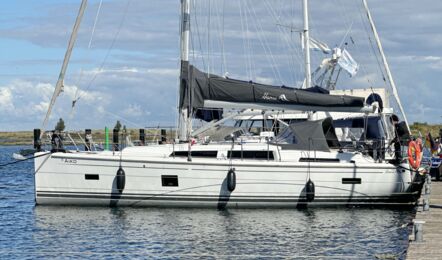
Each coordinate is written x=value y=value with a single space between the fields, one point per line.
x=18 y=156
x=23 y=154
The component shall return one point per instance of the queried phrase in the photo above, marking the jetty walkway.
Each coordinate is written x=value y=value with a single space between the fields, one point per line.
x=431 y=245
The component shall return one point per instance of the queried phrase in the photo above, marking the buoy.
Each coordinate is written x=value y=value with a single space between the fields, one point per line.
x=414 y=154
x=310 y=190
x=231 y=180
x=121 y=179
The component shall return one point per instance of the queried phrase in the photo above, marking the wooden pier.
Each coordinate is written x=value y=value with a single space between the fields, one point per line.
x=431 y=246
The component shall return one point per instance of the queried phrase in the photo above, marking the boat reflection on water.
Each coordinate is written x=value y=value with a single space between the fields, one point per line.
x=133 y=232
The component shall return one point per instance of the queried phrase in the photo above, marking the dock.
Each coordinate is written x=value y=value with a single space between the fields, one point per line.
x=431 y=222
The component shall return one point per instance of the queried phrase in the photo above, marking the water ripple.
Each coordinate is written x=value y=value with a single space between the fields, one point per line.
x=30 y=232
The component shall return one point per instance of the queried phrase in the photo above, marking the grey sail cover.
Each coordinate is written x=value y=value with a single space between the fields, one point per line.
x=205 y=86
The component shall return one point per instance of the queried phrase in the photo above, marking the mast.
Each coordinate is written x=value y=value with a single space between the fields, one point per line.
x=184 y=49
x=308 y=75
x=59 y=86
x=185 y=29
x=384 y=60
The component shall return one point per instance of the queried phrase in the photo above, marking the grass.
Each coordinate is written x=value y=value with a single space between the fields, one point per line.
x=424 y=129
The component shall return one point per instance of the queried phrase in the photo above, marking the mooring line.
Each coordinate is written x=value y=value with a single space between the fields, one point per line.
x=17 y=161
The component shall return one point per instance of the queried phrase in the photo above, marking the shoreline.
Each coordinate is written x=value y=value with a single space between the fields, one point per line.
x=10 y=138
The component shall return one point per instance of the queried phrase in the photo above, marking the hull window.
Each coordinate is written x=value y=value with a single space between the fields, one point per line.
x=205 y=154
x=325 y=160
x=91 y=177
x=169 y=180
x=351 y=181
x=258 y=155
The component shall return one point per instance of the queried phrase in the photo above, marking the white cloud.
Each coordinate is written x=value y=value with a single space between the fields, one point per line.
x=265 y=80
x=41 y=107
x=133 y=110
x=6 y=103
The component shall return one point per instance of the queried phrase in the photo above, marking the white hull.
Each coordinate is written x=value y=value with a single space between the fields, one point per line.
x=61 y=179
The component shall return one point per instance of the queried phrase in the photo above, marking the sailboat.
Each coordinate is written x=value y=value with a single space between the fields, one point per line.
x=322 y=159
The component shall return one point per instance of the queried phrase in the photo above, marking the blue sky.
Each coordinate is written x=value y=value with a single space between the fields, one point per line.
x=136 y=80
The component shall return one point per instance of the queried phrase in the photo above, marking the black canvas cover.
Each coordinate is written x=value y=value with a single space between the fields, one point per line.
x=201 y=86
x=308 y=136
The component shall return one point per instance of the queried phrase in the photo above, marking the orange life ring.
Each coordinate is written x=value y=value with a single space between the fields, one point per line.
x=414 y=154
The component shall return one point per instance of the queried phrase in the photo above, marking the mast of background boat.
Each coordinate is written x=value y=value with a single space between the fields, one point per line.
x=384 y=60
x=184 y=42
x=59 y=86
x=308 y=76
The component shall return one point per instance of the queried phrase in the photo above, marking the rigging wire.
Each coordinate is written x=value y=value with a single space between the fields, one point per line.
x=372 y=47
x=80 y=77
x=95 y=23
x=198 y=34
x=208 y=38
x=350 y=21
x=223 y=53
x=243 y=39
x=108 y=51
x=249 y=48
x=265 y=45
x=296 y=51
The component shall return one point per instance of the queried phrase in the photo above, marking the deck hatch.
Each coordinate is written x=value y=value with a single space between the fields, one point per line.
x=91 y=177
x=351 y=181
x=169 y=180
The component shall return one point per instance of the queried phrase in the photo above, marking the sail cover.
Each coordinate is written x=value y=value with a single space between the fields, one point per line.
x=202 y=86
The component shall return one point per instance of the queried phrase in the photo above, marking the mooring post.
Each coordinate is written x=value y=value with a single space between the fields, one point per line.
x=142 y=137
x=428 y=184
x=426 y=203
x=418 y=230
x=163 y=136
x=427 y=189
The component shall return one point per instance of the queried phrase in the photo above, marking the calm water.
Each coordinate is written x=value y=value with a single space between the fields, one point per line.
x=27 y=231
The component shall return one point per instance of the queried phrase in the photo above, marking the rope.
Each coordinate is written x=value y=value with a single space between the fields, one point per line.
x=17 y=161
